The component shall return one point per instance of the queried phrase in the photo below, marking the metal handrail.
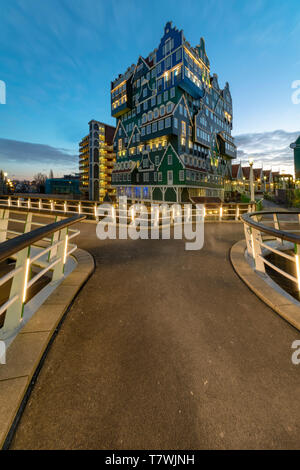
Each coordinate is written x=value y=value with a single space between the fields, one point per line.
x=9 y=247
x=247 y=218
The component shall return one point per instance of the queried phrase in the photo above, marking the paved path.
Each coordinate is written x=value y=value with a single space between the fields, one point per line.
x=166 y=349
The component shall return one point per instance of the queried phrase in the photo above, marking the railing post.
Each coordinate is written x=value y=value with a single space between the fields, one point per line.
x=14 y=313
x=297 y=259
x=237 y=212
x=29 y=203
x=220 y=212
x=9 y=201
x=257 y=252
x=54 y=239
x=27 y=226
x=4 y=217
x=62 y=250
x=248 y=238
x=277 y=226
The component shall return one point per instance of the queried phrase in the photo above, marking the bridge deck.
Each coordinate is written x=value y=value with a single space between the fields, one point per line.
x=166 y=349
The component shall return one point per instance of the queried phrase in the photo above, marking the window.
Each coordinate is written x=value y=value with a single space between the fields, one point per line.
x=143 y=131
x=154 y=127
x=160 y=176
x=120 y=145
x=149 y=129
x=156 y=113
x=180 y=109
x=158 y=69
x=175 y=123
x=178 y=55
x=168 y=122
x=158 y=99
x=169 y=107
x=144 y=92
x=181 y=175
x=156 y=159
x=138 y=108
x=172 y=92
x=146 y=177
x=170 y=177
x=170 y=160
x=155 y=176
x=162 y=110
x=144 y=118
x=166 y=95
x=160 y=125
x=168 y=46
x=138 y=82
x=150 y=116
x=145 y=105
x=183 y=128
x=153 y=101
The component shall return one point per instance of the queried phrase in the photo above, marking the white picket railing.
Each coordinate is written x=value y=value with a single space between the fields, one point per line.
x=213 y=211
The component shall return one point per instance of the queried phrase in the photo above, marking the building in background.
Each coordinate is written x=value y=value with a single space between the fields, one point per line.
x=6 y=185
x=68 y=185
x=173 y=139
x=296 y=147
x=84 y=152
x=96 y=160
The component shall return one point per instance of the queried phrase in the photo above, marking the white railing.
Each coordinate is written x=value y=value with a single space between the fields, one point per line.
x=274 y=232
x=34 y=253
x=213 y=211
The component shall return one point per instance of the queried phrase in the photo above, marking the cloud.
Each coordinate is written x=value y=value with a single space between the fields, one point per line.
x=270 y=149
x=24 y=159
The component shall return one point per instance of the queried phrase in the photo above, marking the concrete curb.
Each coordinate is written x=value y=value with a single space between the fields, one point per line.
x=25 y=355
x=264 y=287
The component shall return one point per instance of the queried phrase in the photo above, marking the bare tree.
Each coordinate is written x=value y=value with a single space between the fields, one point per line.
x=40 y=180
x=51 y=174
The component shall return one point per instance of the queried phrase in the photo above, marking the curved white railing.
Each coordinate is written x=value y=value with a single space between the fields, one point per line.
x=46 y=248
x=274 y=232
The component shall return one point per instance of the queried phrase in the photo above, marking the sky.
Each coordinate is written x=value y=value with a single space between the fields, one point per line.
x=58 y=57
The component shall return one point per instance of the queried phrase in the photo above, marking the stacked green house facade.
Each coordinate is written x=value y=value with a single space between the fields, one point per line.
x=173 y=135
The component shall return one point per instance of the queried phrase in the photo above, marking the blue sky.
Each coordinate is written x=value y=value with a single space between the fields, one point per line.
x=57 y=58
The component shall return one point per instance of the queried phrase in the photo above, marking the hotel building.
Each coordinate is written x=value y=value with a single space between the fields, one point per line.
x=173 y=137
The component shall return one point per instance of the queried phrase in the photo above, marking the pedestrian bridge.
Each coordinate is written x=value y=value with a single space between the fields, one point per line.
x=162 y=348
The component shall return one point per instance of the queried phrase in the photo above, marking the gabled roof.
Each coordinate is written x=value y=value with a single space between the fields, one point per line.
x=246 y=172
x=257 y=173
x=234 y=170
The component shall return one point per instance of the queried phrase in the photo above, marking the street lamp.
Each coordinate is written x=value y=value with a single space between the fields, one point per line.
x=252 y=197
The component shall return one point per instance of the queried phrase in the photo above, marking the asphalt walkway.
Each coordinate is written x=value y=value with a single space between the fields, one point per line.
x=166 y=349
